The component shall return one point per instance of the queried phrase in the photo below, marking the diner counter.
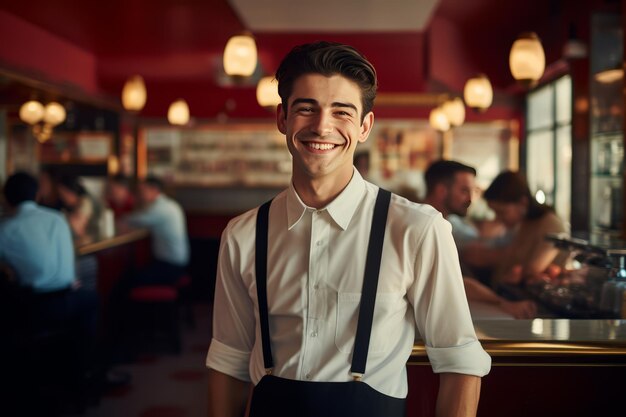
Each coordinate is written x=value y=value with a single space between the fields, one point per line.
x=548 y=340
x=121 y=237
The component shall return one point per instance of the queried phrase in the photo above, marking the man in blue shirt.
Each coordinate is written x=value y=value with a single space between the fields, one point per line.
x=35 y=241
x=170 y=245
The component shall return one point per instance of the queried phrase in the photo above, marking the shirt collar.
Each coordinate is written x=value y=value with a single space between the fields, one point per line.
x=26 y=205
x=341 y=209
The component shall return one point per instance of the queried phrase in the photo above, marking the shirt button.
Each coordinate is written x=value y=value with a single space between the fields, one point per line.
x=316 y=287
x=308 y=376
x=319 y=242
x=313 y=334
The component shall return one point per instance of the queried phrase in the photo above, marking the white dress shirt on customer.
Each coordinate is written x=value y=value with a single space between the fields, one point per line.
x=316 y=262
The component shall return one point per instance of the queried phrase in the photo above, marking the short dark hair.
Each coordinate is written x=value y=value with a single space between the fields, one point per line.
x=20 y=187
x=511 y=187
x=444 y=171
x=155 y=182
x=327 y=58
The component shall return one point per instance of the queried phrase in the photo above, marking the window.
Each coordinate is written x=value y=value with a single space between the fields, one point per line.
x=549 y=145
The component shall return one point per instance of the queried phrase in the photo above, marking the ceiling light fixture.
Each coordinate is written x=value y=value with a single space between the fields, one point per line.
x=267 y=92
x=478 y=93
x=42 y=118
x=178 y=113
x=240 y=56
x=134 y=94
x=438 y=120
x=454 y=109
x=527 y=60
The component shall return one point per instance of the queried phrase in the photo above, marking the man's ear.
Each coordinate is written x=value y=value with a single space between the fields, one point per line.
x=280 y=119
x=366 y=126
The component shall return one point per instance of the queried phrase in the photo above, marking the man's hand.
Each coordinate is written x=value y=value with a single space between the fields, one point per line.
x=525 y=309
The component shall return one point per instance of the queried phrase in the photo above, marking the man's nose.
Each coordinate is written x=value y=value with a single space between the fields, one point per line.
x=322 y=124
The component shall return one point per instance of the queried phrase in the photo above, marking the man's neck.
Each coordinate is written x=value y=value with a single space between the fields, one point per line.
x=438 y=205
x=320 y=192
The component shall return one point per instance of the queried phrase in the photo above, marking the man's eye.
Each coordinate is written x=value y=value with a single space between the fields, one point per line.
x=305 y=110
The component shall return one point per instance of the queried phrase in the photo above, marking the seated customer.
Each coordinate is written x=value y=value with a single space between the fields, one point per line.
x=166 y=221
x=119 y=197
x=450 y=185
x=48 y=194
x=83 y=211
x=36 y=243
x=529 y=254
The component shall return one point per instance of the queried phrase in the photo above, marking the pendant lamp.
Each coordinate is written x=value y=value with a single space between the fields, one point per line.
x=527 y=59
x=240 y=56
x=134 y=94
x=478 y=93
x=178 y=113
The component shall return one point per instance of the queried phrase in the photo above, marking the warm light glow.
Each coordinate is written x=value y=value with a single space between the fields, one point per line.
x=267 y=92
x=438 y=120
x=54 y=114
x=540 y=196
x=240 y=56
x=178 y=113
x=609 y=76
x=527 y=59
x=478 y=93
x=134 y=94
x=31 y=112
x=454 y=110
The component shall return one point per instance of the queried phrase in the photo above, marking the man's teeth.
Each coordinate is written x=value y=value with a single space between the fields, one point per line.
x=321 y=146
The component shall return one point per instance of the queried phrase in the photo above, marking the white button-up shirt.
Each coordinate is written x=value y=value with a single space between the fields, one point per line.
x=316 y=263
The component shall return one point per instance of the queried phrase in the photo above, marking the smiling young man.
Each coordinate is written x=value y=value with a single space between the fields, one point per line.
x=321 y=292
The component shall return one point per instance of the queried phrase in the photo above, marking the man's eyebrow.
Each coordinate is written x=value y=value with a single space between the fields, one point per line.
x=349 y=105
x=304 y=100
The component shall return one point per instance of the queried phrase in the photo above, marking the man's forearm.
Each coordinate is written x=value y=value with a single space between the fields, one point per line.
x=458 y=395
x=227 y=395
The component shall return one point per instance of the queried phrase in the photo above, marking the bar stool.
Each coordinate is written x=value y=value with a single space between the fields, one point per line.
x=155 y=313
x=185 y=296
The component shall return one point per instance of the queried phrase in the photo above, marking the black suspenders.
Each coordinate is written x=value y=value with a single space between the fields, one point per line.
x=370 y=283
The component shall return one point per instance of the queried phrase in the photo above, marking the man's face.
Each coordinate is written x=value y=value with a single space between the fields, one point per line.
x=459 y=196
x=118 y=193
x=323 y=127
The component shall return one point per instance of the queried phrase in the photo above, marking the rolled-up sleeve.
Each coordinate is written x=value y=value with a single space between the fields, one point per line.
x=233 y=316
x=440 y=305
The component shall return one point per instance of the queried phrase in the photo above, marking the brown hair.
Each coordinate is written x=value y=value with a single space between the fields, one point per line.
x=511 y=187
x=327 y=58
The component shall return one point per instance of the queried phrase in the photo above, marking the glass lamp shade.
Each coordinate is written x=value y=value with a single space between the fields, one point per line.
x=455 y=111
x=478 y=93
x=178 y=113
x=527 y=60
x=240 y=56
x=54 y=114
x=438 y=119
x=32 y=112
x=609 y=76
x=134 y=94
x=267 y=92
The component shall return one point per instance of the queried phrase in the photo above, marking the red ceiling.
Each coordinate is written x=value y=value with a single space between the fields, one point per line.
x=177 y=45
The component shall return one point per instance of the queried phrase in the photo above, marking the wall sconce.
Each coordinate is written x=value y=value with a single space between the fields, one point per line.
x=178 y=113
x=527 y=59
x=454 y=109
x=438 y=120
x=240 y=56
x=267 y=92
x=42 y=119
x=478 y=93
x=134 y=94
